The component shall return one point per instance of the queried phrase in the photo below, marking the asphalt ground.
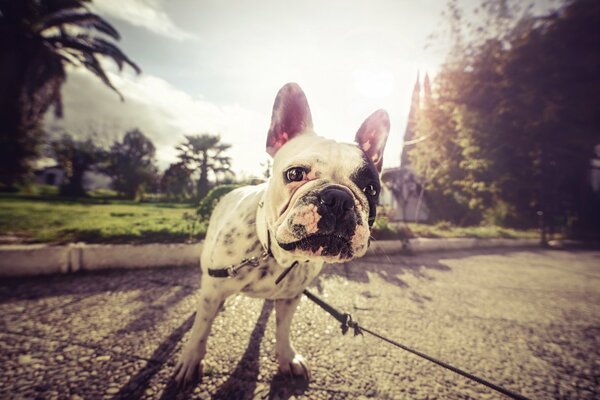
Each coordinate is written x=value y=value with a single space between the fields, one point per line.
x=525 y=319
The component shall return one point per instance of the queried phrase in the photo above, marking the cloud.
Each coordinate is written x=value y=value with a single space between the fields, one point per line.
x=162 y=112
x=149 y=14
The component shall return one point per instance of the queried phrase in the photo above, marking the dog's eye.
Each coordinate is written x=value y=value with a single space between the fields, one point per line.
x=370 y=190
x=295 y=174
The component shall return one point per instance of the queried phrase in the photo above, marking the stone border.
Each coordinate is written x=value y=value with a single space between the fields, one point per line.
x=28 y=260
x=420 y=245
x=40 y=259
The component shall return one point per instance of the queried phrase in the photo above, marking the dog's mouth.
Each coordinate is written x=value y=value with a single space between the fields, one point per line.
x=322 y=245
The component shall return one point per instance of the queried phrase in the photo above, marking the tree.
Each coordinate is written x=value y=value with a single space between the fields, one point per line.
x=131 y=164
x=38 y=39
x=410 y=133
x=515 y=116
x=75 y=157
x=204 y=153
x=176 y=183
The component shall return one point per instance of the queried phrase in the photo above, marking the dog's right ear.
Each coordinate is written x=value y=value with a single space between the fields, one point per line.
x=291 y=116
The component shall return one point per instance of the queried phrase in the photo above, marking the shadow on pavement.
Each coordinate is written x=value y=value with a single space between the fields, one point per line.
x=242 y=381
x=88 y=283
x=146 y=318
x=136 y=386
x=391 y=268
x=388 y=268
x=283 y=387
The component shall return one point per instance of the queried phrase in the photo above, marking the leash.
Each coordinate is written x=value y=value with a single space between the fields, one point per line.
x=346 y=320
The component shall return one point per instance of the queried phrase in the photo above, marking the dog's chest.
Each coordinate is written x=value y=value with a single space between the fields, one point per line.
x=260 y=280
x=232 y=236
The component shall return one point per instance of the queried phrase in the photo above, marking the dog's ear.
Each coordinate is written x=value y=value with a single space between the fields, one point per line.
x=291 y=116
x=372 y=135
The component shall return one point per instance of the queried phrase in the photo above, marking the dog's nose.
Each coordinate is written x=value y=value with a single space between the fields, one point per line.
x=337 y=201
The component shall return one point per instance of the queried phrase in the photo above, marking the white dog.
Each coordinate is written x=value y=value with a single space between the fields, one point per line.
x=318 y=207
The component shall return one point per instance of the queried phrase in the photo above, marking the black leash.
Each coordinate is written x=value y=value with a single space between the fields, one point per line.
x=347 y=322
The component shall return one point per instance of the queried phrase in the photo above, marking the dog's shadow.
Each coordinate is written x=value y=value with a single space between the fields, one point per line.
x=242 y=383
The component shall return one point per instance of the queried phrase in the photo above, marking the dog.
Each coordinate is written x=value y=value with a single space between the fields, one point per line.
x=318 y=207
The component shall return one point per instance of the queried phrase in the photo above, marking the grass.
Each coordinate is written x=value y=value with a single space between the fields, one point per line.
x=388 y=230
x=442 y=230
x=92 y=220
x=41 y=216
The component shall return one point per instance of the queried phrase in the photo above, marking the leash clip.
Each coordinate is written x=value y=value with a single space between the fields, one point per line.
x=350 y=323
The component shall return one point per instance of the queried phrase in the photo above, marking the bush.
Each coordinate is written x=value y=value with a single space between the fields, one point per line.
x=209 y=202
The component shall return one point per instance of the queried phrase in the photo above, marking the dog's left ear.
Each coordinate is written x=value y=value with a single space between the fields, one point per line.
x=372 y=136
x=291 y=116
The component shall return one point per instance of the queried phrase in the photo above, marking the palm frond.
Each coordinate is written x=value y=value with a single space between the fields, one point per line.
x=88 y=44
x=92 y=64
x=85 y=48
x=84 y=20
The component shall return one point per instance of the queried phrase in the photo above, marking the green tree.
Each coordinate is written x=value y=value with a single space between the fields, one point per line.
x=176 y=182
x=205 y=153
x=75 y=157
x=38 y=39
x=518 y=108
x=131 y=164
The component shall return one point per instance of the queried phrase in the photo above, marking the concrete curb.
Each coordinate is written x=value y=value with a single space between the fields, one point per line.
x=29 y=260
x=40 y=259
x=420 y=245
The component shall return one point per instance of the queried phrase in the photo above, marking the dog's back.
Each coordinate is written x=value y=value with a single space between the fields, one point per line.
x=232 y=226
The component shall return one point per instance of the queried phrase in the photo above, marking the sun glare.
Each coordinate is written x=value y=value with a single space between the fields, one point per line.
x=374 y=82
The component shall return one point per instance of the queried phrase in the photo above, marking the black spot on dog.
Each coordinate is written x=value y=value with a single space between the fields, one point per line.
x=241 y=275
x=264 y=271
x=368 y=175
x=249 y=235
x=253 y=247
x=229 y=252
x=246 y=288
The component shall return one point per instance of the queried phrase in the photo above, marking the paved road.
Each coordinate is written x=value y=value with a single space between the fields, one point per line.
x=529 y=320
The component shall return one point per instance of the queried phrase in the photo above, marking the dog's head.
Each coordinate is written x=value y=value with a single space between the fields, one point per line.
x=322 y=196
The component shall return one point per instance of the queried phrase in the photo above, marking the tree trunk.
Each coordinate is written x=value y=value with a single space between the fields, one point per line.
x=74 y=187
x=203 y=181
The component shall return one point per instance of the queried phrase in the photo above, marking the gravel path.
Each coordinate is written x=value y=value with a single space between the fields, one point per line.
x=528 y=320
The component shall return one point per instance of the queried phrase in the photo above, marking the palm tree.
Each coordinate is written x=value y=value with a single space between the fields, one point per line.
x=204 y=152
x=38 y=39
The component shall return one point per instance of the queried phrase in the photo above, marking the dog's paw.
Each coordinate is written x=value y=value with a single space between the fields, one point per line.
x=295 y=366
x=189 y=369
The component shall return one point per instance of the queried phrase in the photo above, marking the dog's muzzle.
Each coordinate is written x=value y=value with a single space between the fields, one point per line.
x=337 y=220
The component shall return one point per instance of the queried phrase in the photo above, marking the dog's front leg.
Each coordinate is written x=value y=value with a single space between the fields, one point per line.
x=189 y=367
x=289 y=361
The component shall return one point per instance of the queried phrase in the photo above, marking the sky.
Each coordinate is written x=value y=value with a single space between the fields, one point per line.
x=215 y=66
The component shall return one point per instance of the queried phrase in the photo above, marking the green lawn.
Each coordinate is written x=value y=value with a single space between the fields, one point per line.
x=445 y=231
x=94 y=220
x=389 y=230
x=47 y=218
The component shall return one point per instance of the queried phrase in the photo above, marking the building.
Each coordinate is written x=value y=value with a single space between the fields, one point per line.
x=54 y=175
x=402 y=197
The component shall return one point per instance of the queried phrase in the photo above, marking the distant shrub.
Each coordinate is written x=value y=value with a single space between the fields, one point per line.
x=444 y=226
x=209 y=202
x=384 y=230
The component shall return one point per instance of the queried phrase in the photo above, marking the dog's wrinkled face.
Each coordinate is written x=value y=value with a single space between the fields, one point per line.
x=322 y=197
